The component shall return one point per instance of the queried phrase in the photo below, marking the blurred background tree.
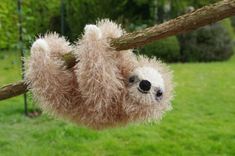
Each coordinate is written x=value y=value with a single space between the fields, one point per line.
x=132 y=14
x=211 y=43
x=8 y=24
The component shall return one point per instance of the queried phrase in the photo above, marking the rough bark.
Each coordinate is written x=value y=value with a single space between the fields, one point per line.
x=12 y=90
x=188 y=22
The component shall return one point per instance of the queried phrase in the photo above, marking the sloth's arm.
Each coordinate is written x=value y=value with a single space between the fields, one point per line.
x=98 y=75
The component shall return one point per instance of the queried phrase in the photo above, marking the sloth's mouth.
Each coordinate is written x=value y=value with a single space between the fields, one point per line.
x=144 y=92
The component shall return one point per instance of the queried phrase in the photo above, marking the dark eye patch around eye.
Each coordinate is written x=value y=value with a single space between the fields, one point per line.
x=132 y=79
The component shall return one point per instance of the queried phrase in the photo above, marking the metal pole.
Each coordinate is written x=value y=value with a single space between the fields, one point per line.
x=62 y=16
x=19 y=4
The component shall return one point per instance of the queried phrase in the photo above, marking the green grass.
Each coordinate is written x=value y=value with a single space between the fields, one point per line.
x=201 y=123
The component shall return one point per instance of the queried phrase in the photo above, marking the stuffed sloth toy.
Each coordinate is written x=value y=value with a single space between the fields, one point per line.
x=106 y=88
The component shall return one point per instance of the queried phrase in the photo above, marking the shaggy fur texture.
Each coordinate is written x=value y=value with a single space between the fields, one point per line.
x=148 y=106
x=106 y=88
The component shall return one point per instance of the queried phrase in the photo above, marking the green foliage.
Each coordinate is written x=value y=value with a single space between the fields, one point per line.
x=38 y=18
x=209 y=43
x=168 y=9
x=8 y=24
x=167 y=49
x=233 y=22
x=44 y=16
x=227 y=24
x=127 y=12
x=201 y=122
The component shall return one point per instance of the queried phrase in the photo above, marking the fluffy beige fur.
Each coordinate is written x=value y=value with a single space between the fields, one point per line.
x=106 y=88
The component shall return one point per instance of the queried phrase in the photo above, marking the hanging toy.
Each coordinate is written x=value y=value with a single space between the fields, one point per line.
x=106 y=88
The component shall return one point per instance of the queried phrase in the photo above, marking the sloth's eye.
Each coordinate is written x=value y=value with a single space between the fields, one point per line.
x=132 y=79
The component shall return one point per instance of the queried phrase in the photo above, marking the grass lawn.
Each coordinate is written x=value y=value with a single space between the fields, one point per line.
x=201 y=123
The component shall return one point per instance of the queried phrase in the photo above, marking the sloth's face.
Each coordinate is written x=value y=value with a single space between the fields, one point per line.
x=146 y=85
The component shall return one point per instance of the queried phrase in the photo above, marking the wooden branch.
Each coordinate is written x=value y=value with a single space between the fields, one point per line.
x=12 y=90
x=188 y=22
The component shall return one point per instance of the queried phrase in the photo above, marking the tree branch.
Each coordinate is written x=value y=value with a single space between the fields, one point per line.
x=188 y=22
x=12 y=90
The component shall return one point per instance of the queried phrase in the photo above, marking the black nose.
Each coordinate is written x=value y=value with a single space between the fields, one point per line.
x=145 y=85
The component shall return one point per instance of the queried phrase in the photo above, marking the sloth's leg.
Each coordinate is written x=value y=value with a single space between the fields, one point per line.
x=49 y=81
